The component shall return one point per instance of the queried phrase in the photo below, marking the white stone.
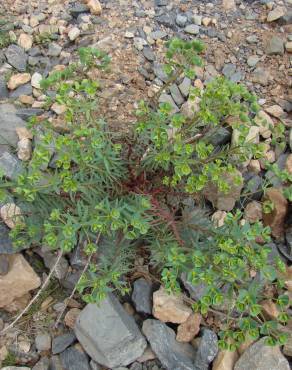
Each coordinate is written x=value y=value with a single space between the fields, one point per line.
x=74 y=33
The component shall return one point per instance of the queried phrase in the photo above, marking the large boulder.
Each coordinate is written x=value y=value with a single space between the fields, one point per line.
x=109 y=334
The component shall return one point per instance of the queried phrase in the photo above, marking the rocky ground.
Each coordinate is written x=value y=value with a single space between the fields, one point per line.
x=248 y=42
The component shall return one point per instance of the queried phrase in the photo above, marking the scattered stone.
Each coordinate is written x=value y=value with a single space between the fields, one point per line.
x=147 y=355
x=4 y=266
x=42 y=364
x=275 y=14
x=275 y=219
x=36 y=79
x=275 y=111
x=54 y=49
x=275 y=46
x=71 y=317
x=184 y=86
x=176 y=95
x=74 y=359
x=189 y=329
x=270 y=309
x=11 y=215
x=95 y=366
x=60 y=343
x=59 y=108
x=165 y=98
x=24 y=149
x=253 y=212
x=74 y=33
x=288 y=164
x=225 y=360
x=16 y=57
x=142 y=296
x=207 y=350
x=287 y=349
x=148 y=54
x=78 y=8
x=262 y=357
x=25 y=89
x=265 y=123
x=10 y=166
x=11 y=287
x=218 y=218
x=228 y=5
x=25 y=41
x=252 y=39
x=190 y=108
x=109 y=320
x=94 y=7
x=17 y=80
x=43 y=342
x=26 y=99
x=261 y=76
x=253 y=60
x=192 y=29
x=288 y=46
x=172 y=354
x=61 y=269
x=221 y=200
x=170 y=307
x=181 y=20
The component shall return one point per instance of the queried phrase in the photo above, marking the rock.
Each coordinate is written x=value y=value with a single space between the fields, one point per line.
x=253 y=212
x=23 y=133
x=10 y=166
x=275 y=46
x=18 y=80
x=74 y=359
x=148 y=54
x=25 y=89
x=78 y=8
x=95 y=366
x=25 y=41
x=59 y=108
x=4 y=264
x=54 y=49
x=288 y=164
x=192 y=29
x=287 y=349
x=275 y=219
x=207 y=350
x=228 y=5
x=196 y=291
x=142 y=296
x=24 y=149
x=11 y=215
x=4 y=93
x=71 y=317
x=189 y=329
x=252 y=39
x=265 y=123
x=147 y=355
x=18 y=304
x=94 y=7
x=73 y=33
x=26 y=99
x=275 y=111
x=190 y=107
x=275 y=14
x=225 y=360
x=218 y=218
x=170 y=307
x=159 y=72
x=11 y=287
x=172 y=354
x=16 y=57
x=165 y=98
x=60 y=343
x=252 y=60
x=261 y=76
x=269 y=309
x=221 y=200
x=61 y=269
x=43 y=342
x=109 y=320
x=184 y=86
x=229 y=69
x=42 y=364
x=181 y=20
x=288 y=46
x=261 y=357
x=176 y=95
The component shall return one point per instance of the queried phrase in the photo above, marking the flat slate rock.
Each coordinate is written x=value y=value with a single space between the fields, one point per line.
x=142 y=296
x=109 y=334
x=60 y=343
x=16 y=57
x=74 y=359
x=10 y=166
x=172 y=354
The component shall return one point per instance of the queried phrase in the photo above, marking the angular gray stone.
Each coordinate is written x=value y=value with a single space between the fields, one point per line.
x=43 y=342
x=229 y=69
x=4 y=93
x=159 y=72
x=10 y=166
x=62 y=267
x=42 y=364
x=195 y=291
x=165 y=98
x=8 y=123
x=27 y=113
x=78 y=8
x=95 y=366
x=207 y=350
x=109 y=334
x=192 y=29
x=148 y=54
x=25 y=89
x=74 y=359
x=184 y=86
x=55 y=363
x=176 y=94
x=60 y=343
x=54 y=49
x=16 y=57
x=142 y=296
x=4 y=264
x=181 y=20
x=275 y=46
x=172 y=354
x=261 y=357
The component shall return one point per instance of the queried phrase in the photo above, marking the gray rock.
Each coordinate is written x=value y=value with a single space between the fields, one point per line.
x=165 y=98
x=176 y=94
x=4 y=264
x=27 y=113
x=261 y=76
x=55 y=363
x=275 y=46
x=78 y=8
x=253 y=39
x=43 y=342
x=261 y=357
x=9 y=121
x=136 y=366
x=192 y=29
x=156 y=35
x=207 y=350
x=10 y=166
x=252 y=60
x=229 y=70
x=220 y=136
x=196 y=292
x=60 y=343
x=159 y=72
x=62 y=267
x=290 y=139
x=16 y=57
x=142 y=296
x=42 y=364
x=184 y=86
x=124 y=342
x=54 y=49
x=148 y=54
x=172 y=354
x=4 y=93
x=74 y=359
x=78 y=258
x=181 y=20
x=161 y=2
x=167 y=20
x=237 y=76
x=286 y=18
x=272 y=177
x=95 y=366
x=25 y=89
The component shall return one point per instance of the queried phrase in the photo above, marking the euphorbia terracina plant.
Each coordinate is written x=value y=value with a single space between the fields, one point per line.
x=141 y=192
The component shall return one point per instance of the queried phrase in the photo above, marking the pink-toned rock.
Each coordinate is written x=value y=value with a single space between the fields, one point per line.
x=18 y=304
x=270 y=309
x=218 y=218
x=17 y=80
x=58 y=108
x=23 y=133
x=11 y=215
x=25 y=41
x=19 y=280
x=253 y=212
x=275 y=111
x=288 y=164
x=170 y=307
x=275 y=219
x=228 y=5
x=71 y=317
x=225 y=360
x=189 y=329
x=94 y=6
